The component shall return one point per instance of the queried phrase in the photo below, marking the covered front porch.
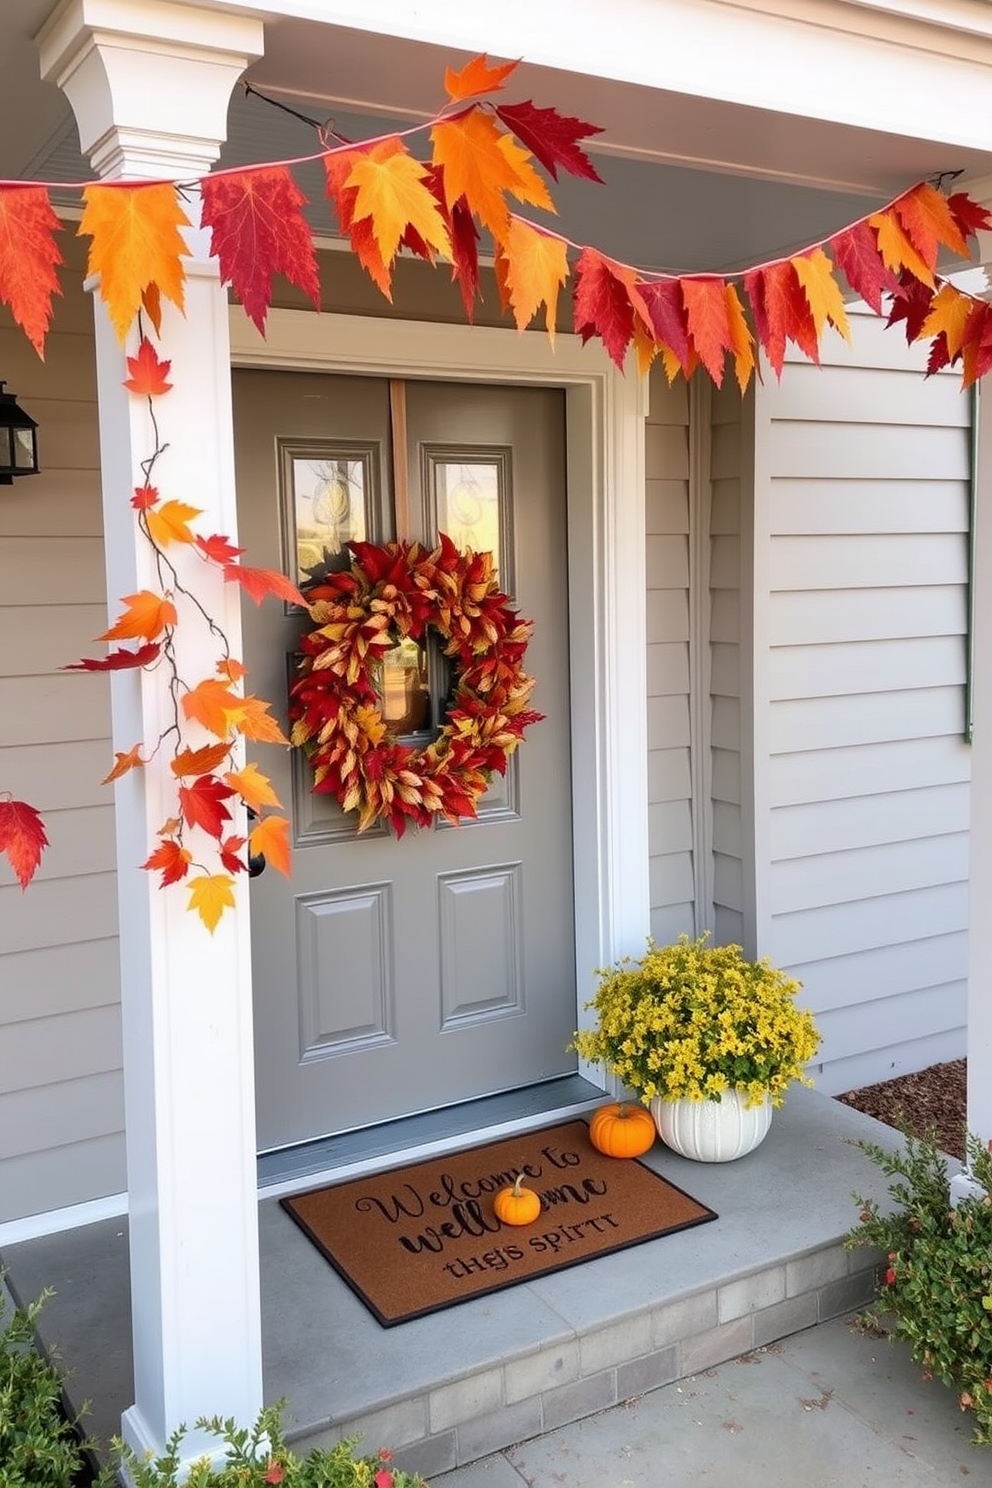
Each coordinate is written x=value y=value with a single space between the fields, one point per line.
x=451 y=1387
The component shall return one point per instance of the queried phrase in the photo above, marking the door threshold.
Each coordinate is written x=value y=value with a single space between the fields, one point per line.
x=370 y=1148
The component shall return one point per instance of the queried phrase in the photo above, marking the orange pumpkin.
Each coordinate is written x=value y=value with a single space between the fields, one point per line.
x=517 y=1205
x=622 y=1130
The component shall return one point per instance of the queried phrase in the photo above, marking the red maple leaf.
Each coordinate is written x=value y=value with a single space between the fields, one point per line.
x=148 y=374
x=465 y=254
x=552 y=137
x=144 y=497
x=28 y=259
x=911 y=303
x=22 y=838
x=940 y=355
x=602 y=305
x=218 y=549
x=663 y=301
x=229 y=850
x=258 y=230
x=969 y=216
x=856 y=254
x=781 y=312
x=171 y=859
x=202 y=804
x=117 y=661
x=258 y=582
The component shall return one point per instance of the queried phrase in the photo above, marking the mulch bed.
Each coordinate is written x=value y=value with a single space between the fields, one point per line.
x=931 y=1102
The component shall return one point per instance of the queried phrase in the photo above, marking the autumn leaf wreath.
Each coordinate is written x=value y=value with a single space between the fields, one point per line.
x=392 y=593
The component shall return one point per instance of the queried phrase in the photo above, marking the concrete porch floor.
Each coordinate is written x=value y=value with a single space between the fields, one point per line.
x=457 y=1385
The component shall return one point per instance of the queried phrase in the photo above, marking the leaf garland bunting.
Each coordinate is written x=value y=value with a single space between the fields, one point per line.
x=478 y=162
x=481 y=165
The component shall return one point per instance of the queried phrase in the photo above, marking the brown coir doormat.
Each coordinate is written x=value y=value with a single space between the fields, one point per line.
x=426 y=1236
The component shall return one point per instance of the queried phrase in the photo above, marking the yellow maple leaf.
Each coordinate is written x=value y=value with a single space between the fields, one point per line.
x=169 y=523
x=210 y=894
x=529 y=187
x=254 y=788
x=743 y=341
x=896 y=249
x=950 y=311
x=536 y=268
x=815 y=273
x=469 y=152
x=645 y=347
x=136 y=243
x=392 y=194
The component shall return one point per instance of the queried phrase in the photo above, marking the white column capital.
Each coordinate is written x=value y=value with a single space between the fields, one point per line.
x=149 y=81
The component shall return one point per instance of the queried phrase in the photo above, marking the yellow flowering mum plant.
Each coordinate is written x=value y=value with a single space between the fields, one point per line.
x=691 y=1020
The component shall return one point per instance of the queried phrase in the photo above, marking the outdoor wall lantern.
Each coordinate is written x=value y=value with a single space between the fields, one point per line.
x=18 y=440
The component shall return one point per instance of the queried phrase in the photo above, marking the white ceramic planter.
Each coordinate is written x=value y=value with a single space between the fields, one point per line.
x=712 y=1131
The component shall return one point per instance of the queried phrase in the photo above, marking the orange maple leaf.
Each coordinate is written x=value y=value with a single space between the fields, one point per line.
x=169 y=523
x=929 y=222
x=270 y=839
x=148 y=374
x=123 y=762
x=254 y=788
x=22 y=838
x=709 y=322
x=258 y=582
x=210 y=895
x=199 y=761
x=212 y=704
x=136 y=242
x=528 y=185
x=743 y=341
x=145 y=614
x=950 y=312
x=231 y=669
x=338 y=165
x=391 y=192
x=536 y=269
x=476 y=77
x=895 y=248
x=469 y=152
x=28 y=259
x=254 y=722
x=815 y=273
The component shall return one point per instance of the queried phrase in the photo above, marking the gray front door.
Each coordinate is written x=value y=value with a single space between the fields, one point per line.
x=393 y=977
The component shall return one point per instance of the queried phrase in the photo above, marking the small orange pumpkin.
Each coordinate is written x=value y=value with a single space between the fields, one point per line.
x=622 y=1130
x=517 y=1205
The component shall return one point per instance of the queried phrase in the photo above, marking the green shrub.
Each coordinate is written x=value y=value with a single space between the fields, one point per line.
x=937 y=1283
x=39 y=1448
x=259 y=1457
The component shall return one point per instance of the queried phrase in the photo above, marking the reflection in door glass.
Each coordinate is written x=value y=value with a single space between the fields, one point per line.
x=468 y=501
x=402 y=683
x=329 y=497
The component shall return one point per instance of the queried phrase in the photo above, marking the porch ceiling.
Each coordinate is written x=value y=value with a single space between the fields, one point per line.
x=692 y=182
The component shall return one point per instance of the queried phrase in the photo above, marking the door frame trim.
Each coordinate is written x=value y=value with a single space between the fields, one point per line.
x=607 y=591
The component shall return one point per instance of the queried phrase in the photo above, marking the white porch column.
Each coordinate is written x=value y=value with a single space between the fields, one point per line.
x=149 y=83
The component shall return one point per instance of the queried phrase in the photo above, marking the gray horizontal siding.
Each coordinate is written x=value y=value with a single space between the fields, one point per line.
x=669 y=784
x=865 y=621
x=61 y=1107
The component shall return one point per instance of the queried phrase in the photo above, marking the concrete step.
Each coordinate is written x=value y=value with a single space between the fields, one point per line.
x=454 y=1386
